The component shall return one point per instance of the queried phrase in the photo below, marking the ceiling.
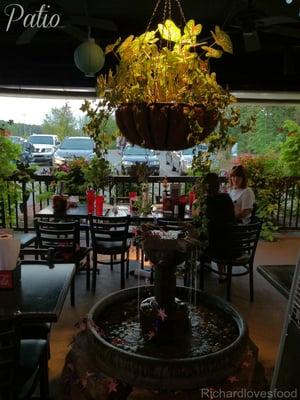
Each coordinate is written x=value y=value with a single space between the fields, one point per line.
x=266 y=50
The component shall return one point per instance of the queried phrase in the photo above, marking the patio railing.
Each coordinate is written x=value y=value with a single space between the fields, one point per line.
x=22 y=211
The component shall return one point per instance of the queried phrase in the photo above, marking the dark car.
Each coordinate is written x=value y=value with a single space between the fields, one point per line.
x=134 y=155
x=27 y=149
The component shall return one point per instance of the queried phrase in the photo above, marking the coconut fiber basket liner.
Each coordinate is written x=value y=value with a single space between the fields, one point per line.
x=164 y=126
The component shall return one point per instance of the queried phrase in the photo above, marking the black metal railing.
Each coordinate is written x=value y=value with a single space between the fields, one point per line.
x=22 y=209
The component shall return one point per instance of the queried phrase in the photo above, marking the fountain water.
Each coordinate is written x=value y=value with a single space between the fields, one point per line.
x=173 y=345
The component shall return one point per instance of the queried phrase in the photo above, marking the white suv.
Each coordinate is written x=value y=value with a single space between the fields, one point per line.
x=44 y=148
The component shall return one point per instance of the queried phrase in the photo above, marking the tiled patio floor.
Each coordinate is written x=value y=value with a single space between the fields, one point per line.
x=264 y=316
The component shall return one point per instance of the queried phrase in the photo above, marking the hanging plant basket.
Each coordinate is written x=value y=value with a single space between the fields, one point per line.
x=164 y=126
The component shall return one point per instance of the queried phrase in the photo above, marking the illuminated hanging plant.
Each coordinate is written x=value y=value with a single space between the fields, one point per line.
x=163 y=91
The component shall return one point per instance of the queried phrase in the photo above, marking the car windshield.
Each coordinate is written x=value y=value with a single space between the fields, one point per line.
x=77 y=144
x=41 y=139
x=137 y=151
x=192 y=150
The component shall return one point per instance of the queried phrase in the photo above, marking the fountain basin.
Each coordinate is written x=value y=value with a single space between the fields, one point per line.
x=159 y=373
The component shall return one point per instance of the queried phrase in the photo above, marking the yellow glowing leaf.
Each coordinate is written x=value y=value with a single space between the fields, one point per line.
x=191 y=29
x=222 y=39
x=210 y=52
x=169 y=31
x=127 y=42
x=109 y=48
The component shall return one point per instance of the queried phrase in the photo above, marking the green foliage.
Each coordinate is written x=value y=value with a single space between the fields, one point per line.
x=97 y=173
x=23 y=130
x=175 y=72
x=72 y=174
x=61 y=122
x=266 y=134
x=265 y=178
x=290 y=149
x=8 y=153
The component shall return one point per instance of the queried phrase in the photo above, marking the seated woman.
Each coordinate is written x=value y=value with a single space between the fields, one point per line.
x=220 y=215
x=242 y=196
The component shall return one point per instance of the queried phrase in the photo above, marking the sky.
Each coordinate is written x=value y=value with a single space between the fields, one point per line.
x=29 y=110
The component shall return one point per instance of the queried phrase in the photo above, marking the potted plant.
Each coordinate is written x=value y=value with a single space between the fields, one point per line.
x=97 y=174
x=71 y=175
x=163 y=92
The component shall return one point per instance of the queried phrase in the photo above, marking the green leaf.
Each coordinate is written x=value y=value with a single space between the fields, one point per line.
x=169 y=31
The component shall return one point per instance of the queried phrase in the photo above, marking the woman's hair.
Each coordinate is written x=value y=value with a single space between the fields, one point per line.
x=212 y=181
x=239 y=170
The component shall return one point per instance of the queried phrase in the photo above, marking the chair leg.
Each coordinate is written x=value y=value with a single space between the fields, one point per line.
x=88 y=272
x=229 y=276
x=251 y=282
x=122 y=271
x=94 y=276
x=127 y=264
x=87 y=238
x=142 y=259
x=44 y=378
x=111 y=262
x=152 y=275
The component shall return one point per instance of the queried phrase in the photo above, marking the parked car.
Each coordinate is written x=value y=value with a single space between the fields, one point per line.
x=26 y=149
x=17 y=139
x=181 y=161
x=74 y=147
x=133 y=155
x=44 y=147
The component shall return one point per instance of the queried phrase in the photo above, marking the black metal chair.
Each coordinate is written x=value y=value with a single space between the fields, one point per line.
x=23 y=363
x=110 y=237
x=45 y=258
x=26 y=238
x=64 y=237
x=244 y=239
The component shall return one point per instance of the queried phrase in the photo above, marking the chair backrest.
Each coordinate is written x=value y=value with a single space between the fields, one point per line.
x=38 y=257
x=109 y=229
x=9 y=356
x=245 y=238
x=2 y=215
x=63 y=237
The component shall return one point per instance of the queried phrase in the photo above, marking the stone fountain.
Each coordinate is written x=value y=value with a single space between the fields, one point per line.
x=164 y=337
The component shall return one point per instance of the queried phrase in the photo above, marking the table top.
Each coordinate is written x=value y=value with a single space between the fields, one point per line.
x=280 y=276
x=122 y=210
x=40 y=294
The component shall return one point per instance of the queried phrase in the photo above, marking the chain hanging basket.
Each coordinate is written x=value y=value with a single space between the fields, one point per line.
x=164 y=126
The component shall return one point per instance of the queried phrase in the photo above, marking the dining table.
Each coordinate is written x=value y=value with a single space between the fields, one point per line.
x=121 y=210
x=40 y=293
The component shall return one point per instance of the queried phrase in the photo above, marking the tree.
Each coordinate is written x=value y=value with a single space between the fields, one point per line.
x=290 y=149
x=61 y=122
x=267 y=133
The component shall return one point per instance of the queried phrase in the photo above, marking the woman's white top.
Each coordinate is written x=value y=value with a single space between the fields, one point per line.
x=243 y=199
